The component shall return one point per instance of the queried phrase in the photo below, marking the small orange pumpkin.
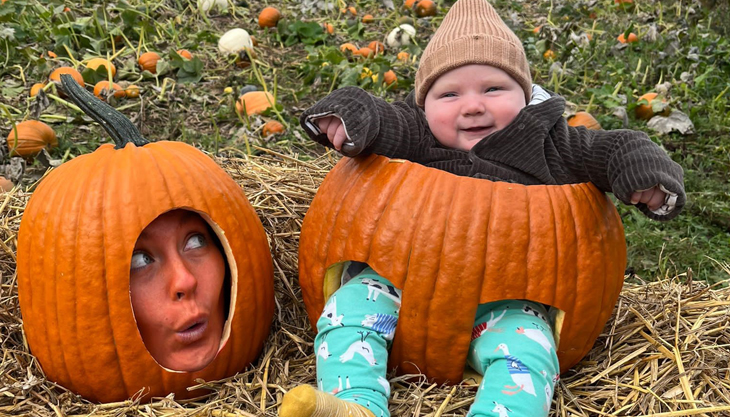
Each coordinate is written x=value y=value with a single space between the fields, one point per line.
x=368 y=18
x=425 y=8
x=327 y=27
x=35 y=88
x=403 y=56
x=365 y=52
x=95 y=63
x=345 y=47
x=549 y=54
x=584 y=119
x=132 y=91
x=409 y=4
x=561 y=245
x=389 y=77
x=75 y=247
x=102 y=87
x=255 y=102
x=377 y=47
x=631 y=38
x=269 y=17
x=56 y=75
x=148 y=61
x=185 y=53
x=28 y=138
x=646 y=111
x=272 y=127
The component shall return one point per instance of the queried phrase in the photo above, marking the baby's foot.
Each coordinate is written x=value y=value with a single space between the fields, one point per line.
x=305 y=401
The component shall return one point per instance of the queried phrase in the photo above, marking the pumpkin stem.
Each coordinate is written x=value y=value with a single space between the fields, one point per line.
x=115 y=123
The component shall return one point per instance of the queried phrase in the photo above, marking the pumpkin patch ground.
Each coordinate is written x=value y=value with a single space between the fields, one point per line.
x=665 y=346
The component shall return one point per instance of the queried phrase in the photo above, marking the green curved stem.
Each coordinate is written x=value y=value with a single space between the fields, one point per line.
x=115 y=123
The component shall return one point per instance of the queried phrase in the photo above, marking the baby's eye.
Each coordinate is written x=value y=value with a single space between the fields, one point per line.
x=195 y=241
x=491 y=89
x=445 y=95
x=140 y=260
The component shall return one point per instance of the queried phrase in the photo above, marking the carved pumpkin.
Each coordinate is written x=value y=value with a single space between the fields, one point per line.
x=148 y=61
x=451 y=243
x=269 y=17
x=75 y=247
x=28 y=138
x=584 y=119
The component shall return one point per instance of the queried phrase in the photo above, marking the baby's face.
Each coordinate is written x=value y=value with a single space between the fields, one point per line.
x=470 y=102
x=176 y=284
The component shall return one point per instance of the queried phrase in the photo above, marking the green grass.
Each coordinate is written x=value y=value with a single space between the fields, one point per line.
x=683 y=44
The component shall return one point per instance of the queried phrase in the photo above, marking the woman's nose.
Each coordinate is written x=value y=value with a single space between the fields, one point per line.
x=183 y=281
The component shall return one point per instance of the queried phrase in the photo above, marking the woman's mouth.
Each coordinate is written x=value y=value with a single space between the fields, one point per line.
x=192 y=333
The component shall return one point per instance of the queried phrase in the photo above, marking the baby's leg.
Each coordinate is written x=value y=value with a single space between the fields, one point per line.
x=355 y=332
x=513 y=347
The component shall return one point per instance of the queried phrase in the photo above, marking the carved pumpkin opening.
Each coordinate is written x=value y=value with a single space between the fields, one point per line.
x=333 y=278
x=182 y=290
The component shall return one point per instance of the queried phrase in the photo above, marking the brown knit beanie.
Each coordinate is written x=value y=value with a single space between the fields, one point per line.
x=472 y=33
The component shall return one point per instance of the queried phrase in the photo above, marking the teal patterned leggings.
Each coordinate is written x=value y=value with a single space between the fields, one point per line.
x=512 y=346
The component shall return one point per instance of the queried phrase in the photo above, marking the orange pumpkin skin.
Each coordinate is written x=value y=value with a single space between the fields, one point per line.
x=32 y=137
x=269 y=17
x=484 y=241
x=584 y=119
x=56 y=75
x=75 y=245
x=255 y=102
x=148 y=61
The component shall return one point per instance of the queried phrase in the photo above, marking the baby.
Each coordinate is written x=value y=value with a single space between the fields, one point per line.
x=474 y=112
x=178 y=288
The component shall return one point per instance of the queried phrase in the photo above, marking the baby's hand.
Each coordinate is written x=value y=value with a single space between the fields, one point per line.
x=653 y=198
x=335 y=130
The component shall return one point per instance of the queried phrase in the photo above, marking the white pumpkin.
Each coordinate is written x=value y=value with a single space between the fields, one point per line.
x=233 y=41
x=400 y=36
x=216 y=5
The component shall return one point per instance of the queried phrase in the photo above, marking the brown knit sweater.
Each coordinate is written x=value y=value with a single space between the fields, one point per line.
x=538 y=147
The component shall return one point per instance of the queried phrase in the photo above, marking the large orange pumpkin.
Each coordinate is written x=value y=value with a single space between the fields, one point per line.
x=451 y=243
x=75 y=246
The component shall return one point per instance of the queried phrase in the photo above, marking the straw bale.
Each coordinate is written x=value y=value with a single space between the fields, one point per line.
x=663 y=353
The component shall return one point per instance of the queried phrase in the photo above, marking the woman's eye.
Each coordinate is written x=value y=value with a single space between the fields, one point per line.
x=195 y=241
x=140 y=260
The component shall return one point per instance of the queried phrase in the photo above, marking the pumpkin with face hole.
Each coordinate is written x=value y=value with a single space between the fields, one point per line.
x=451 y=243
x=75 y=247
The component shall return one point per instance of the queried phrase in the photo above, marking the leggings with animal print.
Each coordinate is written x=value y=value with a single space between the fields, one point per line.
x=512 y=346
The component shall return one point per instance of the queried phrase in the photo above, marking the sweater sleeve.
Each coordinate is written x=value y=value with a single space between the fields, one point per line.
x=372 y=125
x=622 y=162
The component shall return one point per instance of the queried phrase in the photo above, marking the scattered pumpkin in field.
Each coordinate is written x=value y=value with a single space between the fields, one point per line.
x=581 y=241
x=132 y=91
x=327 y=27
x=185 y=53
x=269 y=17
x=631 y=38
x=234 y=41
x=409 y=4
x=56 y=75
x=365 y=52
x=95 y=63
x=377 y=47
x=349 y=10
x=349 y=47
x=537 y=29
x=101 y=90
x=148 y=61
x=549 y=54
x=84 y=219
x=254 y=102
x=646 y=111
x=403 y=56
x=402 y=35
x=584 y=119
x=425 y=8
x=5 y=184
x=28 y=138
x=272 y=127
x=35 y=88
x=206 y=6
x=368 y=18
x=390 y=78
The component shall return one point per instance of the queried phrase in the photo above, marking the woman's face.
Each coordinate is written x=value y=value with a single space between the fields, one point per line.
x=176 y=284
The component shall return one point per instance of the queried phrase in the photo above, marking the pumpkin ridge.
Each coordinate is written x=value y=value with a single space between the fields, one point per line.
x=600 y=219
x=555 y=244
